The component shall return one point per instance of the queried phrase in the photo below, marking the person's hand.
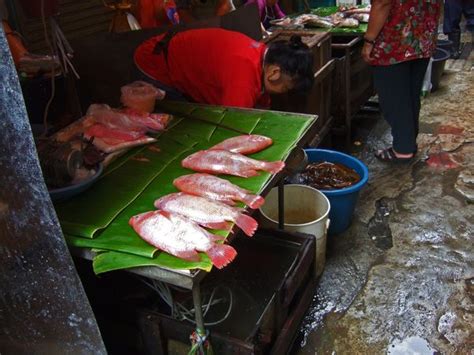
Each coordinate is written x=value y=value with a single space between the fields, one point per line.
x=367 y=52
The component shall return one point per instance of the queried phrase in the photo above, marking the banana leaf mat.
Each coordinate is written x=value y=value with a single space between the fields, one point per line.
x=99 y=217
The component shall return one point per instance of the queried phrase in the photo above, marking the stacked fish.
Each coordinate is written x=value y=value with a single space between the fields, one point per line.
x=207 y=201
x=113 y=130
x=345 y=17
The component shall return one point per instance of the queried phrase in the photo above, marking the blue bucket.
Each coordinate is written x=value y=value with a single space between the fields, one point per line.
x=342 y=201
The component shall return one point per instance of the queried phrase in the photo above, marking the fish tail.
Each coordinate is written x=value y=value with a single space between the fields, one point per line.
x=253 y=201
x=247 y=224
x=221 y=255
x=274 y=167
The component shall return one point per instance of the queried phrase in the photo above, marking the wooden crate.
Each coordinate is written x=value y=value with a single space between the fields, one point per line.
x=353 y=84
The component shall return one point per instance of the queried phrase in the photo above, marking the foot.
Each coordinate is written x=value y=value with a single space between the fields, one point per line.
x=391 y=156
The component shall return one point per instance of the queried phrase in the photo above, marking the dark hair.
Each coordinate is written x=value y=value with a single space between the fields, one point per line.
x=295 y=59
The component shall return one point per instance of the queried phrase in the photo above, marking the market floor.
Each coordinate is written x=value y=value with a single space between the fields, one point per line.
x=401 y=279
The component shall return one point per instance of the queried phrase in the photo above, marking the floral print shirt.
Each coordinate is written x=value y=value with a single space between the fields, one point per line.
x=409 y=33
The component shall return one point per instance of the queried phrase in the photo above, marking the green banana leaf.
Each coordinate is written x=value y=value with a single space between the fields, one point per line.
x=99 y=217
x=110 y=260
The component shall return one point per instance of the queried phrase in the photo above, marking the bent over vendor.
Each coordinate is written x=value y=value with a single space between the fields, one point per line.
x=220 y=67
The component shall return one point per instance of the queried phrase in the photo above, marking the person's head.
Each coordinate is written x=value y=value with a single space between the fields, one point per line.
x=288 y=65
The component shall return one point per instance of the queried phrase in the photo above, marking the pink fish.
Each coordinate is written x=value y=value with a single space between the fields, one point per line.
x=207 y=213
x=181 y=237
x=245 y=144
x=224 y=162
x=215 y=188
x=101 y=131
x=127 y=119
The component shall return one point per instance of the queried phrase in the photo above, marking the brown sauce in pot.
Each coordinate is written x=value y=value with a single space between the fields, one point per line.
x=329 y=176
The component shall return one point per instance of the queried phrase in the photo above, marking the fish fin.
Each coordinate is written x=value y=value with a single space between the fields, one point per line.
x=165 y=214
x=247 y=173
x=216 y=238
x=221 y=255
x=190 y=255
x=247 y=224
x=253 y=201
x=274 y=167
x=218 y=225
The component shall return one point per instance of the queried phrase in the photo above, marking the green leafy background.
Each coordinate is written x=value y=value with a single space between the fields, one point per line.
x=98 y=218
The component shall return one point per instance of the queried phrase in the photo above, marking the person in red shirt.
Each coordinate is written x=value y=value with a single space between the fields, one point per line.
x=220 y=67
x=400 y=39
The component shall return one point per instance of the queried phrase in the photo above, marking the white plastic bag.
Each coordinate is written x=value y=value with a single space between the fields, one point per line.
x=427 y=79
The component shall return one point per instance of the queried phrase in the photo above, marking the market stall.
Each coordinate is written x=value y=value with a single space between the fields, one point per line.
x=96 y=222
x=351 y=80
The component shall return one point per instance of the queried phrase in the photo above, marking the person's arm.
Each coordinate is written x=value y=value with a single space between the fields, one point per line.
x=378 y=16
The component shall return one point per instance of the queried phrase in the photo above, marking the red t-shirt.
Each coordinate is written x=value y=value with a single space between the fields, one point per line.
x=409 y=32
x=212 y=66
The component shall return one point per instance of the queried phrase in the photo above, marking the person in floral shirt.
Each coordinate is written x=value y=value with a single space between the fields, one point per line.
x=400 y=39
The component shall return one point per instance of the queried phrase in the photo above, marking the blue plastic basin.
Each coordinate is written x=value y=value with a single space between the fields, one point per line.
x=342 y=201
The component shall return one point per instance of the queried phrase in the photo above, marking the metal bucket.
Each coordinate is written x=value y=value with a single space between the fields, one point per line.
x=306 y=211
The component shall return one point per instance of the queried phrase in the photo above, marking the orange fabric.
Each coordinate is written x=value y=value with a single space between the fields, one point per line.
x=14 y=42
x=152 y=13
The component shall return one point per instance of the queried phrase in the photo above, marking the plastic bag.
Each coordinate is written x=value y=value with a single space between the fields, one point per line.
x=141 y=96
x=426 y=88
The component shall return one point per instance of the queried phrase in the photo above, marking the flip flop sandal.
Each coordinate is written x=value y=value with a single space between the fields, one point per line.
x=388 y=155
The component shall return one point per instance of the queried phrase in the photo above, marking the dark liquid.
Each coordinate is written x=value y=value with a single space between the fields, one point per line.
x=329 y=176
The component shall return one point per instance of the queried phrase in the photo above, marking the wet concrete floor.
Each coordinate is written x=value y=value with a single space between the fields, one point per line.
x=401 y=279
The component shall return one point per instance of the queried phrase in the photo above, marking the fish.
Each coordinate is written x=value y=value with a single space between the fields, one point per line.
x=215 y=188
x=207 y=213
x=181 y=237
x=349 y=23
x=152 y=121
x=244 y=144
x=110 y=145
x=314 y=20
x=361 y=17
x=352 y=11
x=224 y=162
x=127 y=119
x=101 y=131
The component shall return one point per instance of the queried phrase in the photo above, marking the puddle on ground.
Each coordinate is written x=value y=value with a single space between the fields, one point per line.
x=410 y=346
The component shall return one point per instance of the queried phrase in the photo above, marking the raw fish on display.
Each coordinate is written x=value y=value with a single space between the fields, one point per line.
x=356 y=10
x=224 y=162
x=152 y=121
x=364 y=18
x=215 y=188
x=101 y=131
x=207 y=213
x=110 y=145
x=245 y=144
x=181 y=237
x=127 y=119
x=314 y=20
x=349 y=23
